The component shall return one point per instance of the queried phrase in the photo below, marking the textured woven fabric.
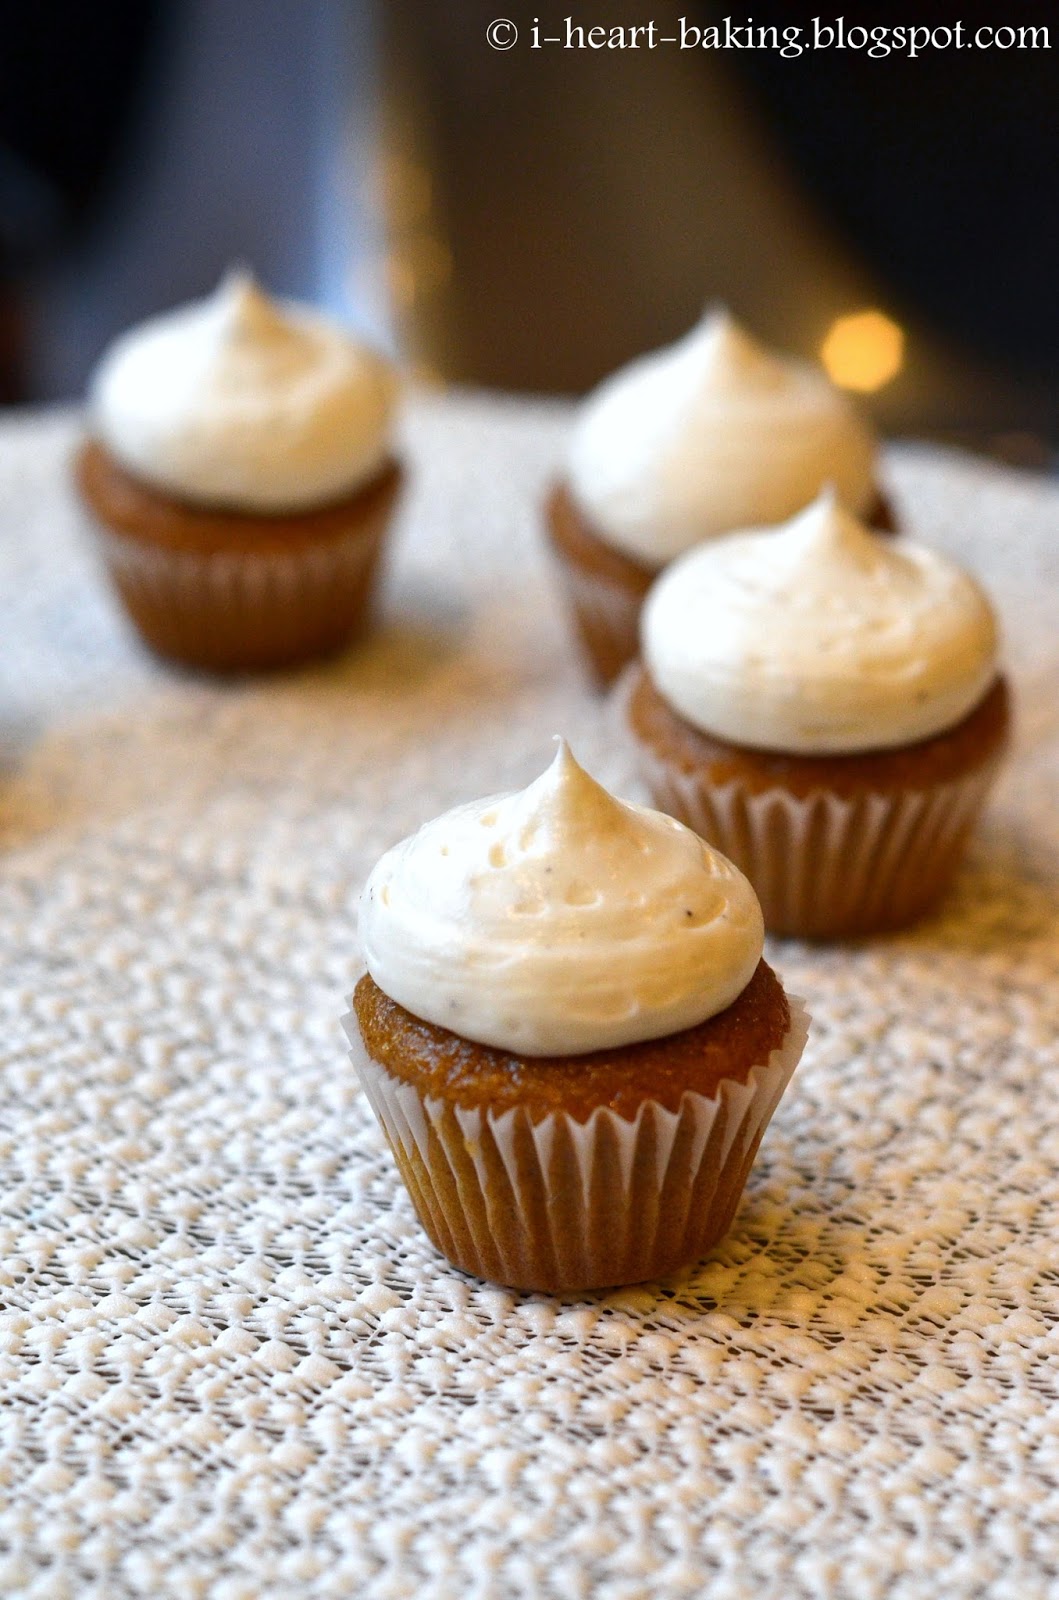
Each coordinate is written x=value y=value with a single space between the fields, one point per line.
x=230 y=1363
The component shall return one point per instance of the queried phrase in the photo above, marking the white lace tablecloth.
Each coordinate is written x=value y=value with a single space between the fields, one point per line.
x=230 y=1363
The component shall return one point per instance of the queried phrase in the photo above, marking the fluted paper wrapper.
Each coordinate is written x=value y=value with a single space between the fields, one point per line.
x=565 y=1205
x=606 y=614
x=825 y=866
x=239 y=610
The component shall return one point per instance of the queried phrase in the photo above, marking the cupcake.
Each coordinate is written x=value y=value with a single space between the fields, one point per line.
x=568 y=1034
x=825 y=707
x=691 y=442
x=240 y=474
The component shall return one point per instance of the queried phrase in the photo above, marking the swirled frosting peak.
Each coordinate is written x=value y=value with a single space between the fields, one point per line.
x=245 y=404
x=818 y=638
x=710 y=434
x=559 y=920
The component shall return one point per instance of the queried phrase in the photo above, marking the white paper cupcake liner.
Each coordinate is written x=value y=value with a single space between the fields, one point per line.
x=234 y=610
x=607 y=616
x=565 y=1205
x=826 y=865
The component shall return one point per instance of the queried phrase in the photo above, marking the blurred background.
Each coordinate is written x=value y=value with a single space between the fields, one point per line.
x=529 y=219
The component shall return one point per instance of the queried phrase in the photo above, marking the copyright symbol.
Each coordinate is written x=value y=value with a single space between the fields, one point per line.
x=501 y=34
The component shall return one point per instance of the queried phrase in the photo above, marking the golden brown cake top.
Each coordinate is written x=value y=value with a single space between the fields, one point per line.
x=124 y=503
x=442 y=1064
x=948 y=756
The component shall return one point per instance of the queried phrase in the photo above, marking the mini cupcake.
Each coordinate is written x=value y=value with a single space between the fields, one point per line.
x=825 y=707
x=568 y=1034
x=712 y=434
x=240 y=474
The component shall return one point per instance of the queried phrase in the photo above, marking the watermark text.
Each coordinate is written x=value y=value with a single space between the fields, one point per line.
x=789 y=40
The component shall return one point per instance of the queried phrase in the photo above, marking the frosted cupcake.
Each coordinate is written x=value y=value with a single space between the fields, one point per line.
x=240 y=471
x=711 y=434
x=826 y=708
x=568 y=1034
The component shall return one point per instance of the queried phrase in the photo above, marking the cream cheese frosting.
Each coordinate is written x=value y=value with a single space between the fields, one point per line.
x=818 y=638
x=246 y=404
x=559 y=920
x=710 y=434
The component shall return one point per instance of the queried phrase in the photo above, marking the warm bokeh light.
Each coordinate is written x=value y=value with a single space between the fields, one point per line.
x=863 y=351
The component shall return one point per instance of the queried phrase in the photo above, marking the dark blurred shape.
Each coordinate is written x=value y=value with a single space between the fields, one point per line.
x=943 y=171
x=70 y=76
x=1029 y=450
